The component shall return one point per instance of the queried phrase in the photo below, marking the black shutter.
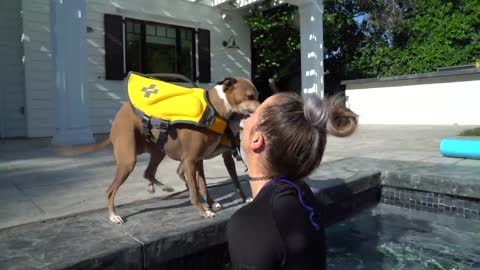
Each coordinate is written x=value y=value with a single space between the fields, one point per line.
x=113 y=47
x=204 y=56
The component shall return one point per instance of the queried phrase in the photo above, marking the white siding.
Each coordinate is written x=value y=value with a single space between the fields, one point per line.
x=40 y=99
x=106 y=97
x=12 y=91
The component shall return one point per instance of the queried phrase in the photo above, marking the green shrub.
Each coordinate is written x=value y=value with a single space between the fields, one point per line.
x=471 y=132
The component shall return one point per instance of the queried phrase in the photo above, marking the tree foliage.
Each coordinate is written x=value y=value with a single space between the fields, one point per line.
x=341 y=38
x=430 y=34
x=275 y=39
x=372 y=38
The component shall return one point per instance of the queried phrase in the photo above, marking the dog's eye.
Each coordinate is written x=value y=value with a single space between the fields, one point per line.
x=251 y=97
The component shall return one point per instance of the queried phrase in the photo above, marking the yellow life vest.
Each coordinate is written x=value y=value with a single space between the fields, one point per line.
x=173 y=103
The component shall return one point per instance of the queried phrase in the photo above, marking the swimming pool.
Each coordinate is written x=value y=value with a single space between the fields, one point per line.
x=391 y=237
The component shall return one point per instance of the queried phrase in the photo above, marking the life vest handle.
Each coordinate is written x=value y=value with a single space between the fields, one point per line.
x=158 y=76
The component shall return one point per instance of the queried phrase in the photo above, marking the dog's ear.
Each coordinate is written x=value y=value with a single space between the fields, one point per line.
x=227 y=83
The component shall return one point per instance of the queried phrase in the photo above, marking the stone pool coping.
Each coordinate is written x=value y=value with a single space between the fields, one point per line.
x=159 y=230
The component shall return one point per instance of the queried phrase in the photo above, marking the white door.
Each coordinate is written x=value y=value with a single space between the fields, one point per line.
x=12 y=86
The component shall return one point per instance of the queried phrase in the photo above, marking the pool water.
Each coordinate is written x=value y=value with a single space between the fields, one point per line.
x=390 y=237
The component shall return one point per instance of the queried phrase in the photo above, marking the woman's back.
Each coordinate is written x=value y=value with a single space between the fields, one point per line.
x=275 y=232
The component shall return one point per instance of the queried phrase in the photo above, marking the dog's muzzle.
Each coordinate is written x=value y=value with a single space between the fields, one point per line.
x=237 y=130
x=239 y=149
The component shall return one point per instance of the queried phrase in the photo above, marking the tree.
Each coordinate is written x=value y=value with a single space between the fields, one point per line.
x=429 y=34
x=275 y=42
x=342 y=37
x=370 y=38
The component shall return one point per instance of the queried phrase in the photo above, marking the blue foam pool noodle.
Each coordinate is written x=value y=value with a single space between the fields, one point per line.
x=461 y=148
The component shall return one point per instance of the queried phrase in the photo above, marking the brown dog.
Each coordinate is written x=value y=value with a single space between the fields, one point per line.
x=232 y=99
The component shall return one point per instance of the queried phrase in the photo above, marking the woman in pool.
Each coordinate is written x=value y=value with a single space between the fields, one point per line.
x=283 y=142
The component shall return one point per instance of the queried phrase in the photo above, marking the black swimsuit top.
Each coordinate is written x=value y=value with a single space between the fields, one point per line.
x=279 y=229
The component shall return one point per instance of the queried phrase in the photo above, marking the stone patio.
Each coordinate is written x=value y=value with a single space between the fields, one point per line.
x=53 y=213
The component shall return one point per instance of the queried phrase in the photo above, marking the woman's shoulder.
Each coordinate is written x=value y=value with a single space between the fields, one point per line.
x=280 y=189
x=277 y=196
x=250 y=213
x=260 y=209
x=284 y=198
x=291 y=191
x=293 y=203
x=254 y=223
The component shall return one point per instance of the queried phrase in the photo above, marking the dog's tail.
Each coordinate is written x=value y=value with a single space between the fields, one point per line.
x=84 y=149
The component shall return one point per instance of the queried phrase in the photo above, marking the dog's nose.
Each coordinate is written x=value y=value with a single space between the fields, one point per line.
x=255 y=107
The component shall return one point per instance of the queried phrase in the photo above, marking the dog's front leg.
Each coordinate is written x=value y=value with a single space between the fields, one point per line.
x=230 y=165
x=202 y=186
x=188 y=171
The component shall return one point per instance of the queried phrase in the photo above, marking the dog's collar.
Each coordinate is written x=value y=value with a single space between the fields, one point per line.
x=218 y=123
x=209 y=103
x=223 y=97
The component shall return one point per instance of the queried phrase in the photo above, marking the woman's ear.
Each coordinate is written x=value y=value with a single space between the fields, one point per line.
x=257 y=143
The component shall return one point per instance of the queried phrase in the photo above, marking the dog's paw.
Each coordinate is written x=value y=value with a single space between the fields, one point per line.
x=168 y=189
x=216 y=206
x=209 y=214
x=116 y=219
x=151 y=188
x=249 y=200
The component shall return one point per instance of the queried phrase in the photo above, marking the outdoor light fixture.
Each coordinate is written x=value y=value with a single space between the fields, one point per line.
x=230 y=43
x=234 y=3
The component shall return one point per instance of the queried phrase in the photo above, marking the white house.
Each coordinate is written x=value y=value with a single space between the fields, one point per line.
x=69 y=83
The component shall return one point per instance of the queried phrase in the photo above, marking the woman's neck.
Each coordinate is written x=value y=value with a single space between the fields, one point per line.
x=258 y=177
x=256 y=186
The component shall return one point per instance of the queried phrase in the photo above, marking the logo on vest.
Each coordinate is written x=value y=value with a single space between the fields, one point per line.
x=150 y=90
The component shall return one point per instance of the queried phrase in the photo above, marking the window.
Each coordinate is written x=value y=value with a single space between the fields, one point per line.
x=149 y=47
x=159 y=48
